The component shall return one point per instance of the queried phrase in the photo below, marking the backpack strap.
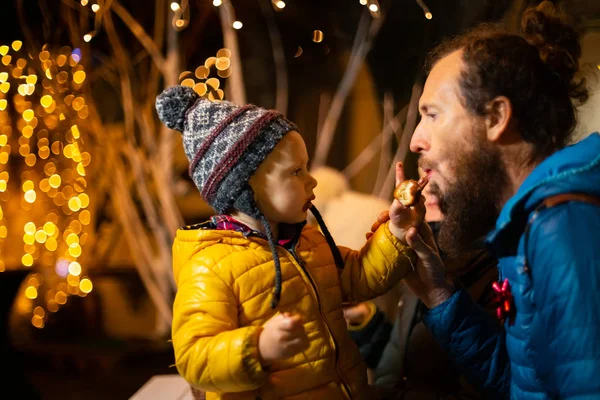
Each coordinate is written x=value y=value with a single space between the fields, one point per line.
x=563 y=198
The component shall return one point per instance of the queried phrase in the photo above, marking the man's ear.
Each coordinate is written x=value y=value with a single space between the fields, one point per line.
x=499 y=118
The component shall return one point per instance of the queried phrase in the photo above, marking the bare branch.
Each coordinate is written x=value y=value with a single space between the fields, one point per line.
x=141 y=35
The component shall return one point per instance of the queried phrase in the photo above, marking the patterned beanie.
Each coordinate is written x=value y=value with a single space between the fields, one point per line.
x=225 y=143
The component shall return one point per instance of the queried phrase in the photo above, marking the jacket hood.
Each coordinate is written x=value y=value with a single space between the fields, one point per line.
x=574 y=169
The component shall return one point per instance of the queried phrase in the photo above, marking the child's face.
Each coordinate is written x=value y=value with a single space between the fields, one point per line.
x=282 y=184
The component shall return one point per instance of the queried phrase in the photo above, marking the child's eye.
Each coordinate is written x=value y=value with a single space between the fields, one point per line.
x=297 y=171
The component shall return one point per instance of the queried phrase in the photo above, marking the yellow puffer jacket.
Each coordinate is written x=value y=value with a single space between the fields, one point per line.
x=225 y=284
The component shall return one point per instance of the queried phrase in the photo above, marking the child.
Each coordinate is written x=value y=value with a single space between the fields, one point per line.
x=234 y=335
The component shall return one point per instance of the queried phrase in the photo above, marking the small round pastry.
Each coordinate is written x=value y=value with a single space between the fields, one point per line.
x=409 y=191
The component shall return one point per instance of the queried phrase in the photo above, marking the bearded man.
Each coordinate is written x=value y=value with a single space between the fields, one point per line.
x=497 y=110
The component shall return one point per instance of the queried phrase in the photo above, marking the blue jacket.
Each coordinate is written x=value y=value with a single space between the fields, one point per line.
x=550 y=348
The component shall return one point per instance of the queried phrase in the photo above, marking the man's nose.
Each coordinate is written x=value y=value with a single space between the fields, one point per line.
x=419 y=142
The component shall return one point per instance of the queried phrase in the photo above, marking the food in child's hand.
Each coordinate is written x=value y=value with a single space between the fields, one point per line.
x=409 y=191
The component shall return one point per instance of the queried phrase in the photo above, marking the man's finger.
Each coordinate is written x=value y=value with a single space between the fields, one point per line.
x=415 y=241
x=368 y=235
x=399 y=173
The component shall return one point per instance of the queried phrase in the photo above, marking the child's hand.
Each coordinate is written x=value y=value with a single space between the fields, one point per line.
x=402 y=218
x=283 y=336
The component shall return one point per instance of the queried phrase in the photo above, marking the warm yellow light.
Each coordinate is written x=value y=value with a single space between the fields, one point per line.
x=72 y=281
x=2 y=185
x=3 y=232
x=72 y=240
x=179 y=23
x=75 y=132
x=37 y=321
x=46 y=101
x=27 y=131
x=28 y=239
x=28 y=115
x=60 y=297
x=54 y=181
x=280 y=4
x=52 y=306
x=85 y=285
x=317 y=36
x=84 y=200
x=87 y=37
x=3 y=104
x=374 y=8
x=40 y=236
x=3 y=77
x=75 y=268
x=79 y=77
x=30 y=159
x=31 y=79
x=51 y=244
x=363 y=2
x=84 y=2
x=29 y=228
x=27 y=185
x=16 y=45
x=80 y=169
x=39 y=311
x=30 y=196
x=213 y=83
x=428 y=15
x=85 y=217
x=217 y=3
x=222 y=63
x=95 y=7
x=4 y=87
x=237 y=25
x=31 y=292
x=27 y=260
x=75 y=251
x=4 y=50
x=175 y=6
x=3 y=141
x=49 y=228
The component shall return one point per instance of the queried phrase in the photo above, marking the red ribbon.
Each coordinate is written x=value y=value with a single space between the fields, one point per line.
x=503 y=298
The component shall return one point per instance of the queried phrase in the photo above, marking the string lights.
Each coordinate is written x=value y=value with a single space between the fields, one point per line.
x=205 y=85
x=43 y=182
x=426 y=11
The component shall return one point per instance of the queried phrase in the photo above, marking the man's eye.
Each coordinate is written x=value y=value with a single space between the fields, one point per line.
x=431 y=116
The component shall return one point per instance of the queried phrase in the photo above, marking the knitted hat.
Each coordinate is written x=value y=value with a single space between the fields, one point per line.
x=225 y=143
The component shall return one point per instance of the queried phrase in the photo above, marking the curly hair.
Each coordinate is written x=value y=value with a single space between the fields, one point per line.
x=536 y=70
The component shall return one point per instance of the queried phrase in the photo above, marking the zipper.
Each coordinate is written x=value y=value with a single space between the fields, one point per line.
x=333 y=342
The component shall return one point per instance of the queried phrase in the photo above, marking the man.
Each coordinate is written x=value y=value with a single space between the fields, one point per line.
x=406 y=360
x=496 y=116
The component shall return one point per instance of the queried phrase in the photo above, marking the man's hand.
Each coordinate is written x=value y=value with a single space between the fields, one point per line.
x=283 y=336
x=428 y=281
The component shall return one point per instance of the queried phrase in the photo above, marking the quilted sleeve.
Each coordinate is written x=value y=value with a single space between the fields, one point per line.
x=211 y=351
x=474 y=341
x=376 y=268
x=564 y=258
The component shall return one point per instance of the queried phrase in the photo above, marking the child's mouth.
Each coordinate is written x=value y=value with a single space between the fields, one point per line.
x=308 y=204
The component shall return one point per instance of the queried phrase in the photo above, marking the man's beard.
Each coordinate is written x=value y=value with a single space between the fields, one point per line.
x=471 y=205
